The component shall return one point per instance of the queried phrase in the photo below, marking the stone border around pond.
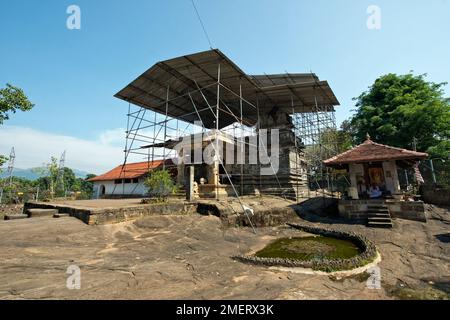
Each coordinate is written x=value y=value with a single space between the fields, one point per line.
x=368 y=255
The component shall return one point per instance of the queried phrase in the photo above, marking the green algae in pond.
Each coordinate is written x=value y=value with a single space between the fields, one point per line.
x=308 y=248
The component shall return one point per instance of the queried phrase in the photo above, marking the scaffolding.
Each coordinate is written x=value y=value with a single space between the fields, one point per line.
x=318 y=131
x=182 y=97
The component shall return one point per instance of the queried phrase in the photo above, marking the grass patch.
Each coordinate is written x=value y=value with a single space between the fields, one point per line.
x=308 y=248
x=360 y=277
x=407 y=293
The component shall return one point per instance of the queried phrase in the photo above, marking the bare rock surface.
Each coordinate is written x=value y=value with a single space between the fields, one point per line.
x=188 y=257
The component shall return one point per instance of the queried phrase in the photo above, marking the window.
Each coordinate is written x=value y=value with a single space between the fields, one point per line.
x=127 y=180
x=118 y=181
x=136 y=180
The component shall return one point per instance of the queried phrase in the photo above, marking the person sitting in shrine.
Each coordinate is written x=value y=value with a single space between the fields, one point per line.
x=375 y=192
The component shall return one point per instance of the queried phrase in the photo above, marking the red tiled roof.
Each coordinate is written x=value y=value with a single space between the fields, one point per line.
x=130 y=171
x=370 y=151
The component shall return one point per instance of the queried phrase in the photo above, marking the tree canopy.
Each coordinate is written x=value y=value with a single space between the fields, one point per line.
x=3 y=160
x=404 y=111
x=47 y=186
x=12 y=99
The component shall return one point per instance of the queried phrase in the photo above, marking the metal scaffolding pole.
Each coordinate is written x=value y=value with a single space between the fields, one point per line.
x=216 y=165
x=242 y=138
x=165 y=127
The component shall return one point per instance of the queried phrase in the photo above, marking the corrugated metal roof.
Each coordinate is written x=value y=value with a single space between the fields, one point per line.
x=200 y=70
x=268 y=80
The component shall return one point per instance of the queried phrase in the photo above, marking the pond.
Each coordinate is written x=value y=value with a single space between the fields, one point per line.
x=308 y=248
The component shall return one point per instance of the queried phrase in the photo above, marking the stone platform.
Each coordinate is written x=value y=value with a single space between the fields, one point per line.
x=107 y=211
x=358 y=210
x=268 y=210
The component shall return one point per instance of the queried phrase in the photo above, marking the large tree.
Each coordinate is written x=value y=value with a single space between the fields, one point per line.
x=12 y=99
x=404 y=111
x=49 y=173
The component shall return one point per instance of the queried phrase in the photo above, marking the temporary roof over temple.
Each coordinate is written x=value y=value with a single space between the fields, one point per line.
x=370 y=151
x=173 y=86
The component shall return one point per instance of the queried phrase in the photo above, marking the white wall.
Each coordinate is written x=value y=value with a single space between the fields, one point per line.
x=354 y=170
x=391 y=176
x=119 y=189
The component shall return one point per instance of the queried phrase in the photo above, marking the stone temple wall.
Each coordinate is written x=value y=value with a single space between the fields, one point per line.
x=435 y=195
x=286 y=178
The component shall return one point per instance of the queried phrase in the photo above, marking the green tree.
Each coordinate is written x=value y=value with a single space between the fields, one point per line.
x=160 y=184
x=50 y=176
x=12 y=99
x=18 y=190
x=331 y=142
x=404 y=111
x=69 y=181
x=82 y=187
x=346 y=136
x=3 y=160
x=87 y=187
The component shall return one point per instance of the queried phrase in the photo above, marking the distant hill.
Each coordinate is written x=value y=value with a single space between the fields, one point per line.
x=33 y=173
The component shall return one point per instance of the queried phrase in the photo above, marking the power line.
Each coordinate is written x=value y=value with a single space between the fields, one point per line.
x=201 y=22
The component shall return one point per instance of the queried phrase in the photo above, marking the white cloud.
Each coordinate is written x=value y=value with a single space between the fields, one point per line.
x=33 y=148
x=114 y=137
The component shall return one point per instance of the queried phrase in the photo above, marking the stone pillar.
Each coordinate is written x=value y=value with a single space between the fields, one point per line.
x=180 y=175
x=190 y=187
x=180 y=169
x=355 y=169
x=395 y=178
x=391 y=176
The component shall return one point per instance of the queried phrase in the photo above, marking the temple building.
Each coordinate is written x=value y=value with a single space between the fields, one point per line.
x=374 y=191
x=371 y=164
x=207 y=90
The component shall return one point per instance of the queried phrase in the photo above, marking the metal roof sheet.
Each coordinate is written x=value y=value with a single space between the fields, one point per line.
x=183 y=76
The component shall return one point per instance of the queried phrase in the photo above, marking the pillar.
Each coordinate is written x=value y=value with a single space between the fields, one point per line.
x=190 y=189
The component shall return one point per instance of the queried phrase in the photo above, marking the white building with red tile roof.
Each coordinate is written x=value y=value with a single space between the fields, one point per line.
x=125 y=180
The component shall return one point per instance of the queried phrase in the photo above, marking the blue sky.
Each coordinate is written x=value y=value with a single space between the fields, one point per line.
x=72 y=75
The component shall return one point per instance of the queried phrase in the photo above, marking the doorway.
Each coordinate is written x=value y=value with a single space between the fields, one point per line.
x=102 y=190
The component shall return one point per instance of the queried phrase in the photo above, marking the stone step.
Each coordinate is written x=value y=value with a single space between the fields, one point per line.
x=374 y=224
x=15 y=216
x=34 y=213
x=61 y=215
x=380 y=219
x=380 y=215
x=378 y=211
x=369 y=208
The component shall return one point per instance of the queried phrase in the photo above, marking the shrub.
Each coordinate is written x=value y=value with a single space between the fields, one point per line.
x=160 y=184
